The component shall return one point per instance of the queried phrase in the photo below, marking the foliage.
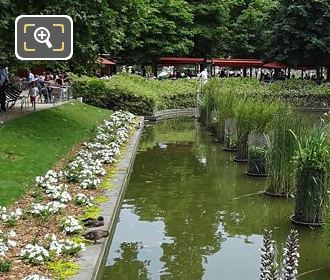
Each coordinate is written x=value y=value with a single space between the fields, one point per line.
x=299 y=32
x=257 y=160
x=55 y=131
x=211 y=25
x=5 y=265
x=63 y=270
x=312 y=161
x=135 y=94
x=167 y=31
x=92 y=212
x=282 y=147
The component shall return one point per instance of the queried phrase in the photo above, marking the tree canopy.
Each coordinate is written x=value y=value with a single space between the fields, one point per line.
x=139 y=31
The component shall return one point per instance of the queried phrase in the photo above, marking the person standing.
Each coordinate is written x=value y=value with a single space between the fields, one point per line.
x=30 y=76
x=3 y=83
x=203 y=76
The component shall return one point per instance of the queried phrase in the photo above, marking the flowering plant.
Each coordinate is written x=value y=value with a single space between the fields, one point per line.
x=64 y=247
x=83 y=200
x=71 y=225
x=60 y=194
x=6 y=242
x=51 y=178
x=45 y=211
x=12 y=217
x=35 y=254
x=35 y=277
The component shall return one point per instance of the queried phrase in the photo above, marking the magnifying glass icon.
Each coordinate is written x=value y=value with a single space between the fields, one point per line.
x=41 y=35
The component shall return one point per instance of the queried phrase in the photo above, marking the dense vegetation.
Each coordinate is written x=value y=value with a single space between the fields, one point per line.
x=139 y=31
x=34 y=143
x=295 y=154
x=134 y=93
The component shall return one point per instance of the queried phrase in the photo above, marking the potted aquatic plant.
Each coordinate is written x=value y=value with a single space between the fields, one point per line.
x=312 y=163
x=252 y=114
x=281 y=148
x=257 y=164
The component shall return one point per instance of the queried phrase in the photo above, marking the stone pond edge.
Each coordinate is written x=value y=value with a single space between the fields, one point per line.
x=91 y=259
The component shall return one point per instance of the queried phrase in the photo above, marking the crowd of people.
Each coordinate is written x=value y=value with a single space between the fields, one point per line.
x=47 y=86
x=44 y=85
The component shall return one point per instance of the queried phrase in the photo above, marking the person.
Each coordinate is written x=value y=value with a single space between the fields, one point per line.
x=3 y=84
x=34 y=91
x=30 y=76
x=203 y=76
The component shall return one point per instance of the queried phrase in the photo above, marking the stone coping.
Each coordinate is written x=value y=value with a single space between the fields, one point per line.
x=90 y=260
x=171 y=114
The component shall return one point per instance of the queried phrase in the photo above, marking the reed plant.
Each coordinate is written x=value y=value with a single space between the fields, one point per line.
x=252 y=114
x=312 y=161
x=281 y=148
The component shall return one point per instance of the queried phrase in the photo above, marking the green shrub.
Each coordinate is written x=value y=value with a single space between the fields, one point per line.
x=135 y=94
x=5 y=265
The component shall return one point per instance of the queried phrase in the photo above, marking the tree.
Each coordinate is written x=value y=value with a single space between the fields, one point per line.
x=247 y=28
x=300 y=32
x=211 y=27
x=166 y=31
x=94 y=29
x=6 y=30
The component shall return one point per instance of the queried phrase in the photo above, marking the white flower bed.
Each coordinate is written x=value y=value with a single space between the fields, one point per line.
x=87 y=167
x=83 y=200
x=35 y=277
x=10 y=217
x=51 y=178
x=71 y=225
x=60 y=194
x=45 y=210
x=35 y=254
x=64 y=247
x=6 y=242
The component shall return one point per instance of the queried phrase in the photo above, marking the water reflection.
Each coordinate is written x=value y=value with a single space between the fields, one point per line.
x=191 y=213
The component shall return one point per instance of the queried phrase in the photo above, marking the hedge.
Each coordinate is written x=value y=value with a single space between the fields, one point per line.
x=134 y=93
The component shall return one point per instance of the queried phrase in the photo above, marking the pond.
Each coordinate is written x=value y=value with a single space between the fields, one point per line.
x=190 y=212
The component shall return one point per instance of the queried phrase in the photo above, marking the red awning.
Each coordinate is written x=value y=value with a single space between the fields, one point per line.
x=170 y=61
x=275 y=65
x=237 y=63
x=106 y=61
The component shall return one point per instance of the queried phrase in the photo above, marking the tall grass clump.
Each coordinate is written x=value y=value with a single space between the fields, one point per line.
x=281 y=148
x=252 y=114
x=207 y=105
x=312 y=162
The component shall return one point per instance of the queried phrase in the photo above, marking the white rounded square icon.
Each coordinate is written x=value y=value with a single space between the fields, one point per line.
x=43 y=37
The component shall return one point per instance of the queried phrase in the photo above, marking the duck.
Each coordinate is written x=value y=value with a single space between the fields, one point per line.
x=92 y=222
x=96 y=235
x=162 y=145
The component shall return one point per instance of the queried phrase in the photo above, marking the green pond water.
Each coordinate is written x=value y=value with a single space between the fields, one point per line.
x=186 y=216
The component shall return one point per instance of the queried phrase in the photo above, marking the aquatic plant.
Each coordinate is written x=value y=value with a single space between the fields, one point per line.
x=312 y=162
x=251 y=114
x=257 y=161
x=281 y=148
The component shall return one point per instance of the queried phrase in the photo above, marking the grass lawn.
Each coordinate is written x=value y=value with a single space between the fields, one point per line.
x=32 y=144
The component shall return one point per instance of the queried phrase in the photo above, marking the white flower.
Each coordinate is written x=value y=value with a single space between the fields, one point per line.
x=71 y=225
x=35 y=254
x=35 y=277
x=12 y=234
